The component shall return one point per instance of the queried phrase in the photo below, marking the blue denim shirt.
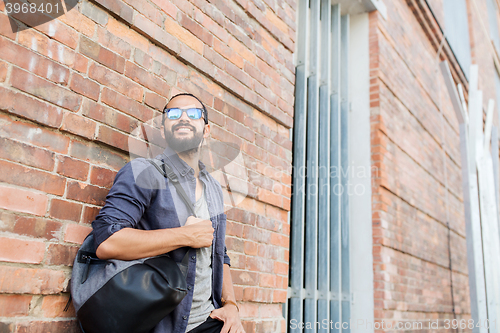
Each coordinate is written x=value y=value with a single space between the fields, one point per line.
x=142 y=198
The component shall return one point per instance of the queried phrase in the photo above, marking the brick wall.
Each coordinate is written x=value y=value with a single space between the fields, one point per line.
x=73 y=90
x=411 y=146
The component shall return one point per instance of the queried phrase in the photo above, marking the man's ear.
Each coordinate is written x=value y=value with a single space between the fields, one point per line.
x=206 y=130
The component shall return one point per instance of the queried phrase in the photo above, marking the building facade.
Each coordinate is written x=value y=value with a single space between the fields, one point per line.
x=351 y=206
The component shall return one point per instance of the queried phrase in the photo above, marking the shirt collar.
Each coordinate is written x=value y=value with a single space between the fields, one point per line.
x=178 y=163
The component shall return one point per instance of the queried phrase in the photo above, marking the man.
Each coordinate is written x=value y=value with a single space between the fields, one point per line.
x=144 y=217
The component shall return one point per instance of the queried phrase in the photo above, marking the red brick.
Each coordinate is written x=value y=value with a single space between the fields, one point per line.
x=146 y=79
x=214 y=57
x=72 y=168
x=76 y=233
x=240 y=130
x=46 y=46
x=251 y=248
x=15 y=305
x=210 y=24
x=91 y=152
x=19 y=175
x=155 y=101
x=197 y=60
x=242 y=50
x=151 y=12
x=280 y=268
x=66 y=326
x=267 y=280
x=113 y=138
x=85 y=86
x=255 y=294
x=189 y=39
x=102 y=177
x=65 y=210
x=30 y=226
x=230 y=83
x=114 y=43
x=89 y=214
x=79 y=22
x=228 y=53
x=156 y=33
x=115 y=81
x=23 y=251
x=33 y=134
x=118 y=8
x=81 y=63
x=58 y=254
x=188 y=85
x=126 y=105
x=166 y=73
x=59 y=31
x=86 y=193
x=109 y=59
x=196 y=29
x=30 y=280
x=244 y=278
x=5 y=27
x=108 y=116
x=78 y=125
x=229 y=110
x=30 y=108
x=53 y=306
x=3 y=70
x=25 y=154
x=32 y=62
x=143 y=59
x=279 y=296
x=45 y=90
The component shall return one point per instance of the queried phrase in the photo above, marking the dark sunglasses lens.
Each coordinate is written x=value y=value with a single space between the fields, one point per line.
x=194 y=113
x=174 y=113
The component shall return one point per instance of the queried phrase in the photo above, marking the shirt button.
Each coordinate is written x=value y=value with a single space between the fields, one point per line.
x=189 y=287
x=193 y=257
x=184 y=317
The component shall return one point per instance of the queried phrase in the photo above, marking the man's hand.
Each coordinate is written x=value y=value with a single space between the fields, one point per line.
x=230 y=316
x=199 y=231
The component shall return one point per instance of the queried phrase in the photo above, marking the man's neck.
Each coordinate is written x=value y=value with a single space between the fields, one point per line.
x=191 y=158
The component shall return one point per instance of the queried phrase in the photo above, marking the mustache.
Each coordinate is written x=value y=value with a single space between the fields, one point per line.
x=184 y=125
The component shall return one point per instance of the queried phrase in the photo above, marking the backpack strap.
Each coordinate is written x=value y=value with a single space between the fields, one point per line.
x=167 y=171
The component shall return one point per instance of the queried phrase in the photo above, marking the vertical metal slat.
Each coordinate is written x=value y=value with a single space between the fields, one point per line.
x=344 y=162
x=299 y=158
x=335 y=309
x=324 y=168
x=311 y=221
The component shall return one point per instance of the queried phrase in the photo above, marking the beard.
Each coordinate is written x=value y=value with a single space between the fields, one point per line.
x=183 y=145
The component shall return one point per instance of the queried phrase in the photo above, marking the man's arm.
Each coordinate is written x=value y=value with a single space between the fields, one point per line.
x=115 y=228
x=130 y=244
x=229 y=313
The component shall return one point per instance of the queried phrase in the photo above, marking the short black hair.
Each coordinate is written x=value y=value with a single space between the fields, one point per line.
x=205 y=113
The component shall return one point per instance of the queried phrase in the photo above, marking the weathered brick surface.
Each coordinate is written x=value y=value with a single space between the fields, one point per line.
x=412 y=144
x=73 y=92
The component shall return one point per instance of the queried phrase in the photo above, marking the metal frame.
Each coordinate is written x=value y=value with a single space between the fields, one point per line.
x=470 y=142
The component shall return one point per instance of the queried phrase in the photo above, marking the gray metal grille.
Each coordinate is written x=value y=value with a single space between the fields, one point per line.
x=457 y=31
x=319 y=291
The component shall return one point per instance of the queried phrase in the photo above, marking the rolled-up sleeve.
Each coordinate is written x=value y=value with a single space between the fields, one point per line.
x=227 y=260
x=126 y=202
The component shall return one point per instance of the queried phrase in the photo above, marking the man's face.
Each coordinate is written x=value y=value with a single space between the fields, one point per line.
x=185 y=134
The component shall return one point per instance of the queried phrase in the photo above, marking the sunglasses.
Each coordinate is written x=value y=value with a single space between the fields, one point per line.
x=176 y=113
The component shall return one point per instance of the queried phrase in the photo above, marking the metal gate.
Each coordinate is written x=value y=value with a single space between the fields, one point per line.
x=319 y=289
